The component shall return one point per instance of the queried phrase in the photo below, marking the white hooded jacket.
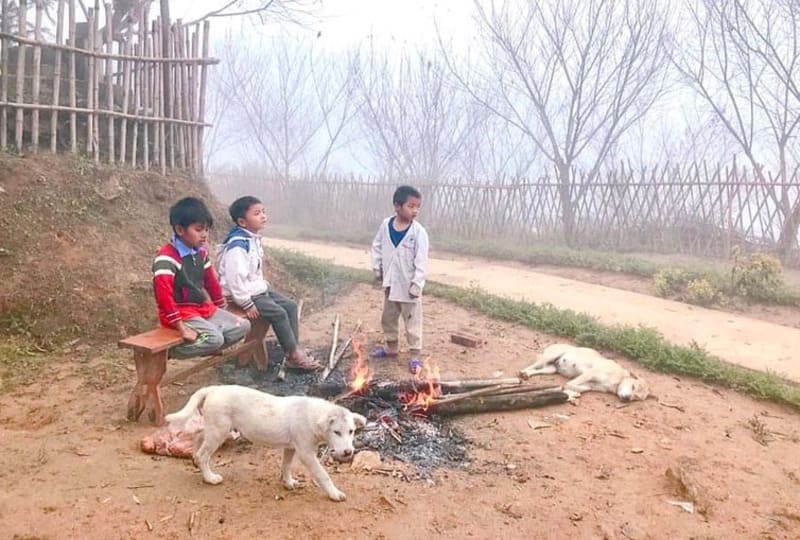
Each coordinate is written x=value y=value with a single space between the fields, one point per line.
x=402 y=265
x=239 y=267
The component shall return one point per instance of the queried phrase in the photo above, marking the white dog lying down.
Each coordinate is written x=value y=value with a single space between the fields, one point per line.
x=298 y=424
x=588 y=370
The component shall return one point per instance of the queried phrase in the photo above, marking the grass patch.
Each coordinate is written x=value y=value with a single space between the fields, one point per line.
x=642 y=344
x=746 y=279
x=21 y=363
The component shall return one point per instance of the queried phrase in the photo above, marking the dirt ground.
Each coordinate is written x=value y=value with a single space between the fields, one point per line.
x=71 y=467
x=736 y=338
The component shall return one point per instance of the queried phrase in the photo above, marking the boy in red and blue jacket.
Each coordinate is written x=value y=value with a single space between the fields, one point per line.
x=186 y=287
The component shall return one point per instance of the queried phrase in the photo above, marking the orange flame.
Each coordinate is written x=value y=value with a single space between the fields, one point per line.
x=428 y=375
x=359 y=372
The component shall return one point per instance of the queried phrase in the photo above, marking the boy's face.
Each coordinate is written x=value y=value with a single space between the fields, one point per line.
x=254 y=219
x=408 y=210
x=194 y=236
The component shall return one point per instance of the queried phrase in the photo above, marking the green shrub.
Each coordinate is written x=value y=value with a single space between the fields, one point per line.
x=699 y=291
x=756 y=277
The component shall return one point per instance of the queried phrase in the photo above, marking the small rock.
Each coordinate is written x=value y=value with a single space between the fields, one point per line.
x=2 y=189
x=510 y=466
x=631 y=532
x=637 y=450
x=575 y=516
x=366 y=460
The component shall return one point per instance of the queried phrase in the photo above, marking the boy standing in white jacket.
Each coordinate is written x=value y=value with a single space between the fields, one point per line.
x=400 y=262
x=242 y=279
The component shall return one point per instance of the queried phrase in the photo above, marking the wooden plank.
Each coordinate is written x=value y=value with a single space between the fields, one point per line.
x=152 y=341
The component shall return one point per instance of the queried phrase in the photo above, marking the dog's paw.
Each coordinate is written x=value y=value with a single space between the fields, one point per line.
x=336 y=495
x=292 y=484
x=572 y=396
x=212 y=478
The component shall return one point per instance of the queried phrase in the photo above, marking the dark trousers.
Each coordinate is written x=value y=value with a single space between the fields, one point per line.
x=281 y=313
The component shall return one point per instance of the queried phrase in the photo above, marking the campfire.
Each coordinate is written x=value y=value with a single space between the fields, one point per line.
x=409 y=419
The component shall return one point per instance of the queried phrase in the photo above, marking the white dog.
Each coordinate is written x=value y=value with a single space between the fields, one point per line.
x=298 y=424
x=588 y=370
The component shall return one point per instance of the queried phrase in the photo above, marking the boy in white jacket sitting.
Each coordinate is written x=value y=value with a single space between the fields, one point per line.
x=242 y=279
x=400 y=261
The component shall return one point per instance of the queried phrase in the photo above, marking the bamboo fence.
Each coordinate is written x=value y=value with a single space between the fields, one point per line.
x=695 y=210
x=135 y=99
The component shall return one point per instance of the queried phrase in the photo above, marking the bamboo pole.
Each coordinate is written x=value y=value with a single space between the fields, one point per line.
x=102 y=113
x=57 y=77
x=203 y=83
x=159 y=51
x=155 y=94
x=73 y=94
x=146 y=100
x=110 y=82
x=137 y=83
x=4 y=43
x=193 y=112
x=101 y=55
x=37 y=73
x=126 y=92
x=22 y=14
x=170 y=41
x=179 y=96
x=90 y=86
x=96 y=88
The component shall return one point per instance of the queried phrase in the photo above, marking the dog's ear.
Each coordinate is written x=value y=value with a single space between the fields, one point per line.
x=360 y=421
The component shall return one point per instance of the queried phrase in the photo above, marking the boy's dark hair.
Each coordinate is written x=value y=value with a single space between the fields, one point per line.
x=188 y=211
x=403 y=193
x=240 y=207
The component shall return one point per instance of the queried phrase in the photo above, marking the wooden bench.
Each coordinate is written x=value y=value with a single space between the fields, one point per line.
x=150 y=351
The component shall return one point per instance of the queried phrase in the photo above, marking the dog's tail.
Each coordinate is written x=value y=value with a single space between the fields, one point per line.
x=191 y=407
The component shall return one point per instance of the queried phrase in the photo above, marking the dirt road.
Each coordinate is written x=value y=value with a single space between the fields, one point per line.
x=740 y=340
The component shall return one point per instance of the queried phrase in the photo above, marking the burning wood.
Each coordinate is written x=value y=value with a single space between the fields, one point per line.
x=427 y=394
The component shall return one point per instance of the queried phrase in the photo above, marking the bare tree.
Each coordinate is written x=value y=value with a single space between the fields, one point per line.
x=289 y=104
x=265 y=10
x=415 y=120
x=745 y=65
x=572 y=76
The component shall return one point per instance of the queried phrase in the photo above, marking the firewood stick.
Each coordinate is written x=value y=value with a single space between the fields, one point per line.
x=384 y=388
x=474 y=393
x=282 y=371
x=508 y=402
x=341 y=353
x=524 y=389
x=334 y=343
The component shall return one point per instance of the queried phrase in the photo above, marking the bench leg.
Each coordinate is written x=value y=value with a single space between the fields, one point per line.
x=150 y=368
x=261 y=356
x=260 y=353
